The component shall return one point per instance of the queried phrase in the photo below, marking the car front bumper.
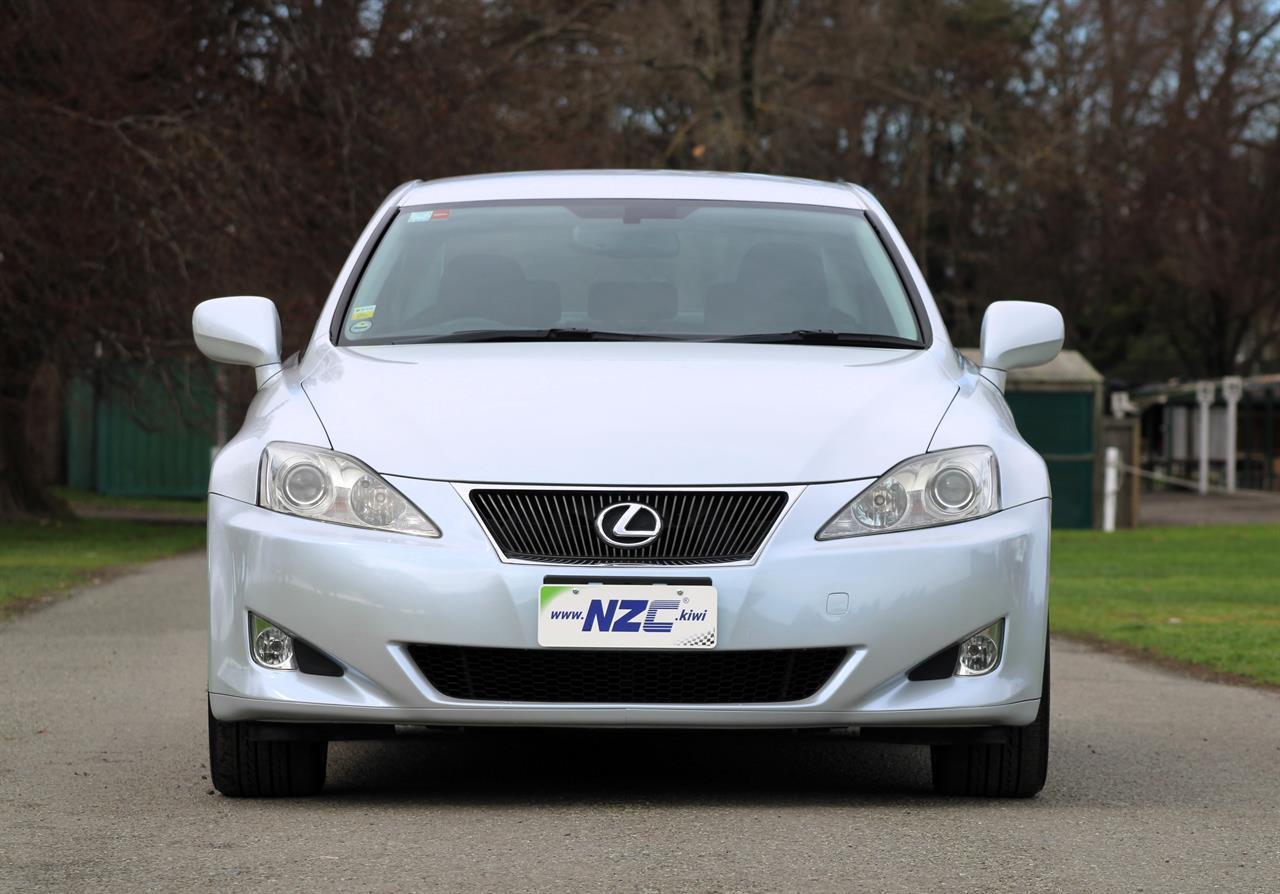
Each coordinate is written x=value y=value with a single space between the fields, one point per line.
x=363 y=596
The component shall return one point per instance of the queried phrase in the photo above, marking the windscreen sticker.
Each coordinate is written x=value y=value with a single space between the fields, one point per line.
x=421 y=216
x=363 y=313
x=358 y=326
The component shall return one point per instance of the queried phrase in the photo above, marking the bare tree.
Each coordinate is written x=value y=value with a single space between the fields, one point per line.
x=1121 y=160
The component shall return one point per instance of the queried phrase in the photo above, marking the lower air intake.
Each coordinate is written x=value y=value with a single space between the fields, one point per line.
x=620 y=676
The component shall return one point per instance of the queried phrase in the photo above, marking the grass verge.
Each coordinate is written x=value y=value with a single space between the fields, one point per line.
x=84 y=499
x=37 y=559
x=1204 y=596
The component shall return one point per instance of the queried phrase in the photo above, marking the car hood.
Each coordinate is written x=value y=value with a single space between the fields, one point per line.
x=636 y=413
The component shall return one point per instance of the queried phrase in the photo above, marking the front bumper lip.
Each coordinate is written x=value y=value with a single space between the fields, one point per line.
x=362 y=596
x=231 y=707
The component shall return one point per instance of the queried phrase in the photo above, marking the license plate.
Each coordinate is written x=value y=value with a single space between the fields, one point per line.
x=627 y=616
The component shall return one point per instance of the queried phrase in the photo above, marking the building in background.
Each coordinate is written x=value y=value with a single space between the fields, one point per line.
x=1058 y=409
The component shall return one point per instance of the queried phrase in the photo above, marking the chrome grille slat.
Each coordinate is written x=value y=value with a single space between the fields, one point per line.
x=750 y=519
x=726 y=527
x=503 y=508
x=681 y=501
x=711 y=516
x=700 y=527
x=543 y=518
x=583 y=523
x=529 y=523
x=565 y=515
x=732 y=523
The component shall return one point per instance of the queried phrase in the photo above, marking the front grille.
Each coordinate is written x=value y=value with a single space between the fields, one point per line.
x=698 y=527
x=622 y=676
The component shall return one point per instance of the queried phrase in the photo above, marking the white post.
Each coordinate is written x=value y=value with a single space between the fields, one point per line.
x=1232 y=391
x=1121 y=404
x=1110 y=488
x=1204 y=397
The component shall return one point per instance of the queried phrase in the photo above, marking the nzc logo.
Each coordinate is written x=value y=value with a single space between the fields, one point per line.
x=637 y=615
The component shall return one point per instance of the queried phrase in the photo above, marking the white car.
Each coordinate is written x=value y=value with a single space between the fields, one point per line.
x=641 y=449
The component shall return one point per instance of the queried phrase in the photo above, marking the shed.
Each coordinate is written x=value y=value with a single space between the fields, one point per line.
x=1058 y=409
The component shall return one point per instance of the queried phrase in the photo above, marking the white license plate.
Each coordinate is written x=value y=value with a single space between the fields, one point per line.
x=627 y=616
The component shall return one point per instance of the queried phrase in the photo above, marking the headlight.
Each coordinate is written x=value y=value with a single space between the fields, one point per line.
x=933 y=489
x=327 y=486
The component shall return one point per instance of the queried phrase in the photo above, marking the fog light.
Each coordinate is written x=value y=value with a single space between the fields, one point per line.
x=980 y=653
x=272 y=647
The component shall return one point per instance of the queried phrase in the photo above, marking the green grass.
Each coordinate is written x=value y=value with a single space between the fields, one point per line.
x=1205 y=595
x=36 y=558
x=82 y=498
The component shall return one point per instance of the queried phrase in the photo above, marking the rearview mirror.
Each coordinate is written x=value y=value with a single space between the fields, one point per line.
x=244 y=330
x=1018 y=334
x=622 y=240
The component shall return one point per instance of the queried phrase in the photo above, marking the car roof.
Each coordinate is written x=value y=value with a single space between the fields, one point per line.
x=703 y=185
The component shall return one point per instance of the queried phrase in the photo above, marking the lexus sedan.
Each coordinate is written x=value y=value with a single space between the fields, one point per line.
x=628 y=449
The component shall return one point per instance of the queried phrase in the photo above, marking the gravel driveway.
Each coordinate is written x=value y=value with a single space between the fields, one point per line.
x=1157 y=783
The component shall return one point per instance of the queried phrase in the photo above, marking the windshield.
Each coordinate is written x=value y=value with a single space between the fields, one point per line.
x=630 y=269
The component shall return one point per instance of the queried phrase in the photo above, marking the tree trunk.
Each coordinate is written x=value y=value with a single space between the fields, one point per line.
x=21 y=492
x=747 y=98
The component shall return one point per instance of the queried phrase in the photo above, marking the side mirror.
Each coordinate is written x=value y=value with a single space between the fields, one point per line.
x=1018 y=334
x=244 y=330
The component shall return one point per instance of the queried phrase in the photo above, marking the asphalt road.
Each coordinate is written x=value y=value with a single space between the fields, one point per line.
x=1161 y=508
x=1157 y=783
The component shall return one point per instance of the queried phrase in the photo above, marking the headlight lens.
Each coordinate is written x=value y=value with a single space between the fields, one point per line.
x=304 y=485
x=328 y=486
x=953 y=489
x=933 y=489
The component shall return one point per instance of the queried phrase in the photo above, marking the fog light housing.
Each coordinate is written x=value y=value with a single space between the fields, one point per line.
x=270 y=646
x=980 y=653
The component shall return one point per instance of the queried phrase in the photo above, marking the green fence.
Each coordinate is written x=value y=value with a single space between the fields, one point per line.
x=141 y=432
x=1061 y=425
x=1058 y=409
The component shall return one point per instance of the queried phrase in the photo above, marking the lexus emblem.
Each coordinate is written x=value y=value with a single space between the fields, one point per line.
x=628 y=525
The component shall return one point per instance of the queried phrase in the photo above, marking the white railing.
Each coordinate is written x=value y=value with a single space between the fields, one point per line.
x=1114 y=470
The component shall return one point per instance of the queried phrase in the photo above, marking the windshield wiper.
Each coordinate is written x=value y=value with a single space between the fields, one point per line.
x=794 y=336
x=553 y=334
x=822 y=337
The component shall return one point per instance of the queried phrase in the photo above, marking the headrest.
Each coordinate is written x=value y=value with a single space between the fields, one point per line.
x=541 y=307
x=479 y=276
x=494 y=287
x=792 y=265
x=719 y=311
x=632 y=302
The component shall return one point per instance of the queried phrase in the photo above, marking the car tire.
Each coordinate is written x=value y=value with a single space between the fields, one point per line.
x=243 y=767
x=1017 y=769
